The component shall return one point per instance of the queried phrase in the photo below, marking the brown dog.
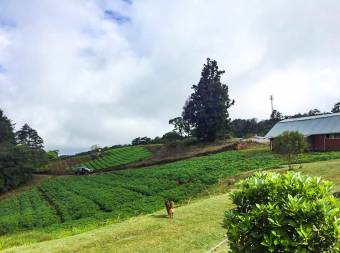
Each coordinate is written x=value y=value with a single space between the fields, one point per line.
x=169 y=205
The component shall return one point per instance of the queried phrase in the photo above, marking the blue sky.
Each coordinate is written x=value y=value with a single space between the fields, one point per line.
x=87 y=72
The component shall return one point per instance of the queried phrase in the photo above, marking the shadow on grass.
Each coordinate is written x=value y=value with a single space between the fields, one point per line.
x=164 y=216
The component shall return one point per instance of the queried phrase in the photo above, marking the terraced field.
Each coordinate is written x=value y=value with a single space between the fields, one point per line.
x=131 y=192
x=118 y=156
x=110 y=158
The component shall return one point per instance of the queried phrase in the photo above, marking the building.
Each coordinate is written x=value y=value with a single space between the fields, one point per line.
x=322 y=131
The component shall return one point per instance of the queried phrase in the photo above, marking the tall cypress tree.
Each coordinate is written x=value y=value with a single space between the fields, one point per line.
x=206 y=110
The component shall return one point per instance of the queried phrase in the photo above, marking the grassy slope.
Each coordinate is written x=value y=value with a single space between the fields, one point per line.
x=329 y=170
x=196 y=227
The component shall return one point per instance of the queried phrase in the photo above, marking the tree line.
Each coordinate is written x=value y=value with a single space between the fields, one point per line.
x=21 y=153
x=205 y=115
x=250 y=127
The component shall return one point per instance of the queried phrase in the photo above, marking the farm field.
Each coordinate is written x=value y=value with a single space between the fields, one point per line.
x=62 y=166
x=77 y=204
x=195 y=228
x=118 y=156
x=110 y=158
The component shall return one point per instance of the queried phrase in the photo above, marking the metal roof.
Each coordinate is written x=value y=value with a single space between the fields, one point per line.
x=320 y=124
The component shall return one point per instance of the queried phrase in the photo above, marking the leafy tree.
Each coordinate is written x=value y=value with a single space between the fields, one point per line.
x=29 y=137
x=95 y=147
x=6 y=130
x=336 y=108
x=290 y=144
x=264 y=126
x=52 y=154
x=15 y=161
x=181 y=126
x=276 y=116
x=283 y=213
x=244 y=127
x=171 y=137
x=96 y=151
x=141 y=141
x=206 y=110
x=314 y=112
x=156 y=140
x=15 y=167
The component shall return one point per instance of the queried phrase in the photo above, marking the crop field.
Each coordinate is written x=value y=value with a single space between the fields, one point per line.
x=118 y=156
x=60 y=166
x=110 y=158
x=131 y=192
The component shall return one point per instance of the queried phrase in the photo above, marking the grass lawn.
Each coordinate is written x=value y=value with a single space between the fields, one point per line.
x=329 y=170
x=195 y=228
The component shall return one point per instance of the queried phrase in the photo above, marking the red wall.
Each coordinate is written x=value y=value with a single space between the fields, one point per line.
x=322 y=143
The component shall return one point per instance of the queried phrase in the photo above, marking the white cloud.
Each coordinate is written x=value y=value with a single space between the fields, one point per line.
x=80 y=78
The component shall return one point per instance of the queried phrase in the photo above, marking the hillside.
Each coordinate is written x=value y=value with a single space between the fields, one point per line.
x=138 y=156
x=108 y=158
x=195 y=228
x=124 y=193
x=71 y=205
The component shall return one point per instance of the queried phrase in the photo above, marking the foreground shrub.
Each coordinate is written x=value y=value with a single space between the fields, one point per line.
x=283 y=213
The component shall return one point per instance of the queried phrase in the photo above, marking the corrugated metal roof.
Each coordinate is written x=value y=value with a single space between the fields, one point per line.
x=321 y=124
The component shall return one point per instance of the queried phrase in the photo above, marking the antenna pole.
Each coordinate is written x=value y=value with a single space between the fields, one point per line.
x=272 y=102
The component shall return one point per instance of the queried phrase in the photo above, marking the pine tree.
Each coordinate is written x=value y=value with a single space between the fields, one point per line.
x=206 y=110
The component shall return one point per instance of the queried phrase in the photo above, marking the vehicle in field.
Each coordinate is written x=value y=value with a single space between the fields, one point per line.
x=83 y=171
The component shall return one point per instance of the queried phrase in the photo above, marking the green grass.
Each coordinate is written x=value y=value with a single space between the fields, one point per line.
x=329 y=170
x=79 y=204
x=118 y=156
x=195 y=228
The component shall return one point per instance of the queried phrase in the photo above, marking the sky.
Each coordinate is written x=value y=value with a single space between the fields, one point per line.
x=84 y=72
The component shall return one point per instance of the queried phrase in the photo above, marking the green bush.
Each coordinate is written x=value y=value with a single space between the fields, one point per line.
x=289 y=144
x=283 y=213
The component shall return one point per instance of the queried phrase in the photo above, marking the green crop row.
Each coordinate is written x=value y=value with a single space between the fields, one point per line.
x=131 y=192
x=28 y=210
x=118 y=156
x=68 y=205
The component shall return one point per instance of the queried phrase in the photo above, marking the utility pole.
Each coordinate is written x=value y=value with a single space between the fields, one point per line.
x=272 y=102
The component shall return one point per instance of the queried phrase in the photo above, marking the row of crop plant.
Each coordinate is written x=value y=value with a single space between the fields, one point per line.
x=118 y=156
x=130 y=192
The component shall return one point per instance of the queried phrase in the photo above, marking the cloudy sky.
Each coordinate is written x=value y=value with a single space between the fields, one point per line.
x=86 y=72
